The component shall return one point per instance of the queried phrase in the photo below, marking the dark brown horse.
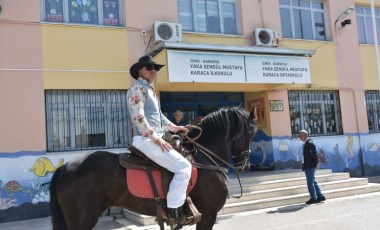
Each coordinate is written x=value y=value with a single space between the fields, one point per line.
x=82 y=189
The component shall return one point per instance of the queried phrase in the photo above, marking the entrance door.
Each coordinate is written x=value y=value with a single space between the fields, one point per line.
x=197 y=105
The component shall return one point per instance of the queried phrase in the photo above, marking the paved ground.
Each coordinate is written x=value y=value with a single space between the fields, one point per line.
x=348 y=213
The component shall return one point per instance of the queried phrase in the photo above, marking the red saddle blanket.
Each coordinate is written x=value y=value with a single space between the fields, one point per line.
x=138 y=182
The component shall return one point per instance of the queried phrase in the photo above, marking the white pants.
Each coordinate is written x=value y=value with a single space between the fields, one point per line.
x=172 y=161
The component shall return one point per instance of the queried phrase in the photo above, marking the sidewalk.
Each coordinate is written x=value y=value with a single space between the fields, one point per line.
x=233 y=220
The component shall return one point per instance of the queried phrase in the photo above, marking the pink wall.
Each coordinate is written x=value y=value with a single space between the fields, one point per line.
x=140 y=15
x=259 y=14
x=279 y=120
x=349 y=70
x=20 y=11
x=22 y=118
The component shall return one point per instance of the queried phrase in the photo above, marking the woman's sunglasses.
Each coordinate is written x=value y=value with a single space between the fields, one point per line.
x=151 y=67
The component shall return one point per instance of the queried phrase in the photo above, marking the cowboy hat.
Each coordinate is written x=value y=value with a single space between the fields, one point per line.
x=143 y=61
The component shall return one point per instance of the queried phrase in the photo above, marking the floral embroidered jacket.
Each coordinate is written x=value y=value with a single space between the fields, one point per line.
x=140 y=93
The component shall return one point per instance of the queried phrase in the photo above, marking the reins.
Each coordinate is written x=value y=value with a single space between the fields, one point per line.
x=206 y=150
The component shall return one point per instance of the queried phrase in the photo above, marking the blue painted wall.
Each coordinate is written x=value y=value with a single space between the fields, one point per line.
x=353 y=153
x=23 y=192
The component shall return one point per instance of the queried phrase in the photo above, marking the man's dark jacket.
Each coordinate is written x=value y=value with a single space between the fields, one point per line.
x=310 y=159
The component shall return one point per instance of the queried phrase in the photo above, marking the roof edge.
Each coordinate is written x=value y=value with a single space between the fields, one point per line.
x=225 y=48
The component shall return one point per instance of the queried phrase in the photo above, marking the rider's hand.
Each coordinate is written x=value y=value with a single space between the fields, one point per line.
x=181 y=128
x=165 y=146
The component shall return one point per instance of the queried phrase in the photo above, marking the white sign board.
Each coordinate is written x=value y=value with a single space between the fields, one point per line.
x=275 y=69
x=205 y=67
x=186 y=66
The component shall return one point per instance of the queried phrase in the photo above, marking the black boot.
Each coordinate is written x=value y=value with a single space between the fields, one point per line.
x=174 y=215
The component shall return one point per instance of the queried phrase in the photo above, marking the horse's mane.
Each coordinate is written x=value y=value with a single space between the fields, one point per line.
x=228 y=124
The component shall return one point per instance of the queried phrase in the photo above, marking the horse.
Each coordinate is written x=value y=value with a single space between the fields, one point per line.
x=83 y=188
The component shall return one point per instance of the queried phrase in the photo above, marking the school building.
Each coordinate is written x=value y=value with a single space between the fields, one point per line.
x=64 y=75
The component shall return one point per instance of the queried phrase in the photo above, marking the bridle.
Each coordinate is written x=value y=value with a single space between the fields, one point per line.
x=241 y=159
x=237 y=166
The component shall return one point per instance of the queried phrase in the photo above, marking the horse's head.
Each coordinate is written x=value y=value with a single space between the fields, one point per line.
x=227 y=133
x=241 y=147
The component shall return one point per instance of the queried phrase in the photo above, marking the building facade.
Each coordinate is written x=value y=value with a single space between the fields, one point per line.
x=64 y=74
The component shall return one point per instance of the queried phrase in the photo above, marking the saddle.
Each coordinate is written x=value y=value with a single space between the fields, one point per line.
x=138 y=167
x=146 y=179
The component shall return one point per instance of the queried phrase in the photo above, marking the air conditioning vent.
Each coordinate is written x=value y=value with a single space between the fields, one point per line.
x=265 y=37
x=167 y=31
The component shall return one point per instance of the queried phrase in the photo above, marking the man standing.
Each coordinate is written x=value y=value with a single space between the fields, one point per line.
x=309 y=164
x=178 y=118
x=149 y=125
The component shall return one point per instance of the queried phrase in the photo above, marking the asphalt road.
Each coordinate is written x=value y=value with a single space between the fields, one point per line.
x=359 y=212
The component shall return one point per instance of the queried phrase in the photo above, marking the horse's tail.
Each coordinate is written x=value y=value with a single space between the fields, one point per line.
x=58 y=221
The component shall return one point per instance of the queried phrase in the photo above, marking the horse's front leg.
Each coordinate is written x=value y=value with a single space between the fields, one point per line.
x=207 y=221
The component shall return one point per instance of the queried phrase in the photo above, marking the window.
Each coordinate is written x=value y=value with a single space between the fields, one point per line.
x=211 y=16
x=318 y=112
x=365 y=26
x=372 y=102
x=79 y=120
x=95 y=12
x=303 y=19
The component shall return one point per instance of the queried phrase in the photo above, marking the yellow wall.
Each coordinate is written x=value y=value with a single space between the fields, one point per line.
x=368 y=59
x=231 y=40
x=367 y=2
x=323 y=68
x=81 y=57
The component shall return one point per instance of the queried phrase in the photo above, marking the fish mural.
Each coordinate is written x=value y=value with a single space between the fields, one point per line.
x=260 y=148
x=372 y=150
x=13 y=186
x=43 y=166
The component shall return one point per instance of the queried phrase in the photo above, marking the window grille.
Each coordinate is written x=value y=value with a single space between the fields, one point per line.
x=318 y=112
x=372 y=102
x=81 y=120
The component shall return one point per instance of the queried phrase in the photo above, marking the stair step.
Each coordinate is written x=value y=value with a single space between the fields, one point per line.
x=249 y=186
x=256 y=177
x=278 y=188
x=295 y=199
x=292 y=190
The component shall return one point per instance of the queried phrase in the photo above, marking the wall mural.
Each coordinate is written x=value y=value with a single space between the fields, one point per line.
x=339 y=153
x=24 y=184
x=25 y=176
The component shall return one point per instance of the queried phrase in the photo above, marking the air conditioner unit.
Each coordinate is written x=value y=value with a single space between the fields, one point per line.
x=265 y=37
x=167 y=32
